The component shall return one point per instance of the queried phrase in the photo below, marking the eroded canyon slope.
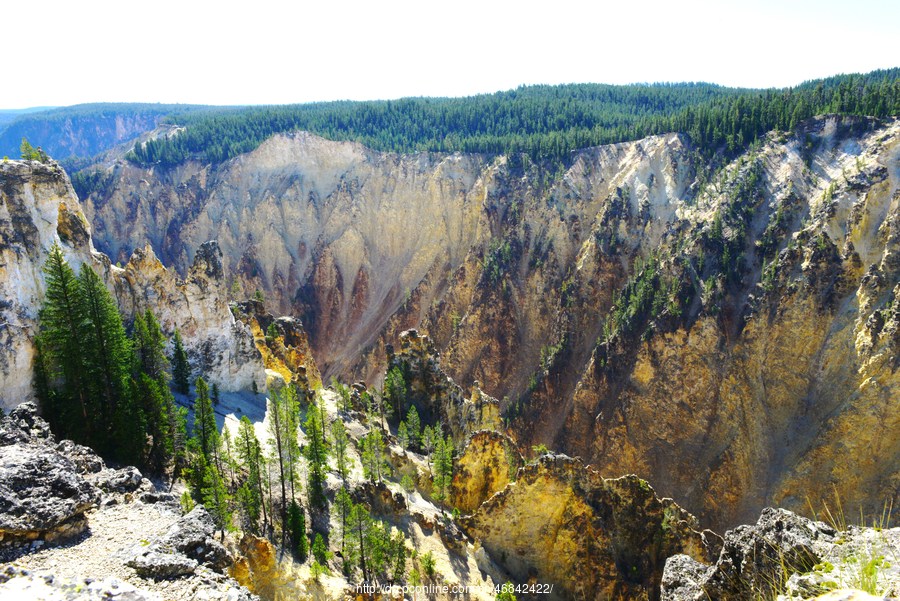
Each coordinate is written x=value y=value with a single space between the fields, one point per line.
x=731 y=335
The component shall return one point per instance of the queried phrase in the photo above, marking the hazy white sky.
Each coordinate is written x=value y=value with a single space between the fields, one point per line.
x=261 y=52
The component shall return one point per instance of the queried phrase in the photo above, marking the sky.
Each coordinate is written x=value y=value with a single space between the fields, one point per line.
x=263 y=52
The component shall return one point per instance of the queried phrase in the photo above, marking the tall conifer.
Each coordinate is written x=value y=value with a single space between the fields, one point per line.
x=181 y=369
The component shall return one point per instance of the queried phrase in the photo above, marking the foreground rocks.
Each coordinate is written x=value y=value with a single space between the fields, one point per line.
x=192 y=535
x=786 y=555
x=42 y=496
x=186 y=545
x=46 y=487
x=51 y=492
x=43 y=493
x=16 y=583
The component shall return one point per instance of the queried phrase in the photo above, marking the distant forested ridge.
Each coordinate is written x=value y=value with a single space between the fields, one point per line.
x=542 y=122
x=82 y=130
x=10 y=115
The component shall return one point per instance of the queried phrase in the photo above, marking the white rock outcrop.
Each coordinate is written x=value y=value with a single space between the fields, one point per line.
x=38 y=208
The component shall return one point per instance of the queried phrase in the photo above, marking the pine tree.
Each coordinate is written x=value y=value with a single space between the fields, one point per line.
x=296 y=524
x=70 y=409
x=321 y=555
x=428 y=440
x=414 y=427
x=316 y=455
x=180 y=441
x=248 y=502
x=442 y=467
x=206 y=433
x=319 y=550
x=373 y=456
x=358 y=536
x=250 y=455
x=107 y=360
x=181 y=369
x=155 y=401
x=428 y=565
x=378 y=548
x=215 y=497
x=30 y=153
x=403 y=435
x=105 y=345
x=283 y=429
x=150 y=384
x=343 y=392
x=150 y=346
x=227 y=457
x=339 y=446
x=395 y=390
x=343 y=506
x=398 y=556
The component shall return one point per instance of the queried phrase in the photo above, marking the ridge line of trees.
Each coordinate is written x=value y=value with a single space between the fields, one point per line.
x=541 y=122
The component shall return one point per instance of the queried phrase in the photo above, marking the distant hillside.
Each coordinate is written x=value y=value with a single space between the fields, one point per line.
x=82 y=130
x=543 y=122
x=9 y=115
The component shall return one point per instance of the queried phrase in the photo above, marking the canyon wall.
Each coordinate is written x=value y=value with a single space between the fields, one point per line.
x=730 y=334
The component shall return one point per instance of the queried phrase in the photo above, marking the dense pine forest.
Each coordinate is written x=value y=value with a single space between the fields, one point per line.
x=542 y=122
x=97 y=385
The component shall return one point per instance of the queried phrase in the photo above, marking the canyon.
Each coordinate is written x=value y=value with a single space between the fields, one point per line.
x=615 y=347
x=765 y=365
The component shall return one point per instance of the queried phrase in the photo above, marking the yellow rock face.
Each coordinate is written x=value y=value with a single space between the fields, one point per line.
x=288 y=353
x=560 y=522
x=258 y=568
x=487 y=464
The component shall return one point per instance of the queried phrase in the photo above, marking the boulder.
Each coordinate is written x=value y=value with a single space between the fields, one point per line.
x=42 y=494
x=125 y=480
x=84 y=458
x=192 y=535
x=159 y=565
x=180 y=551
x=755 y=557
x=24 y=425
x=754 y=560
x=159 y=497
x=683 y=578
